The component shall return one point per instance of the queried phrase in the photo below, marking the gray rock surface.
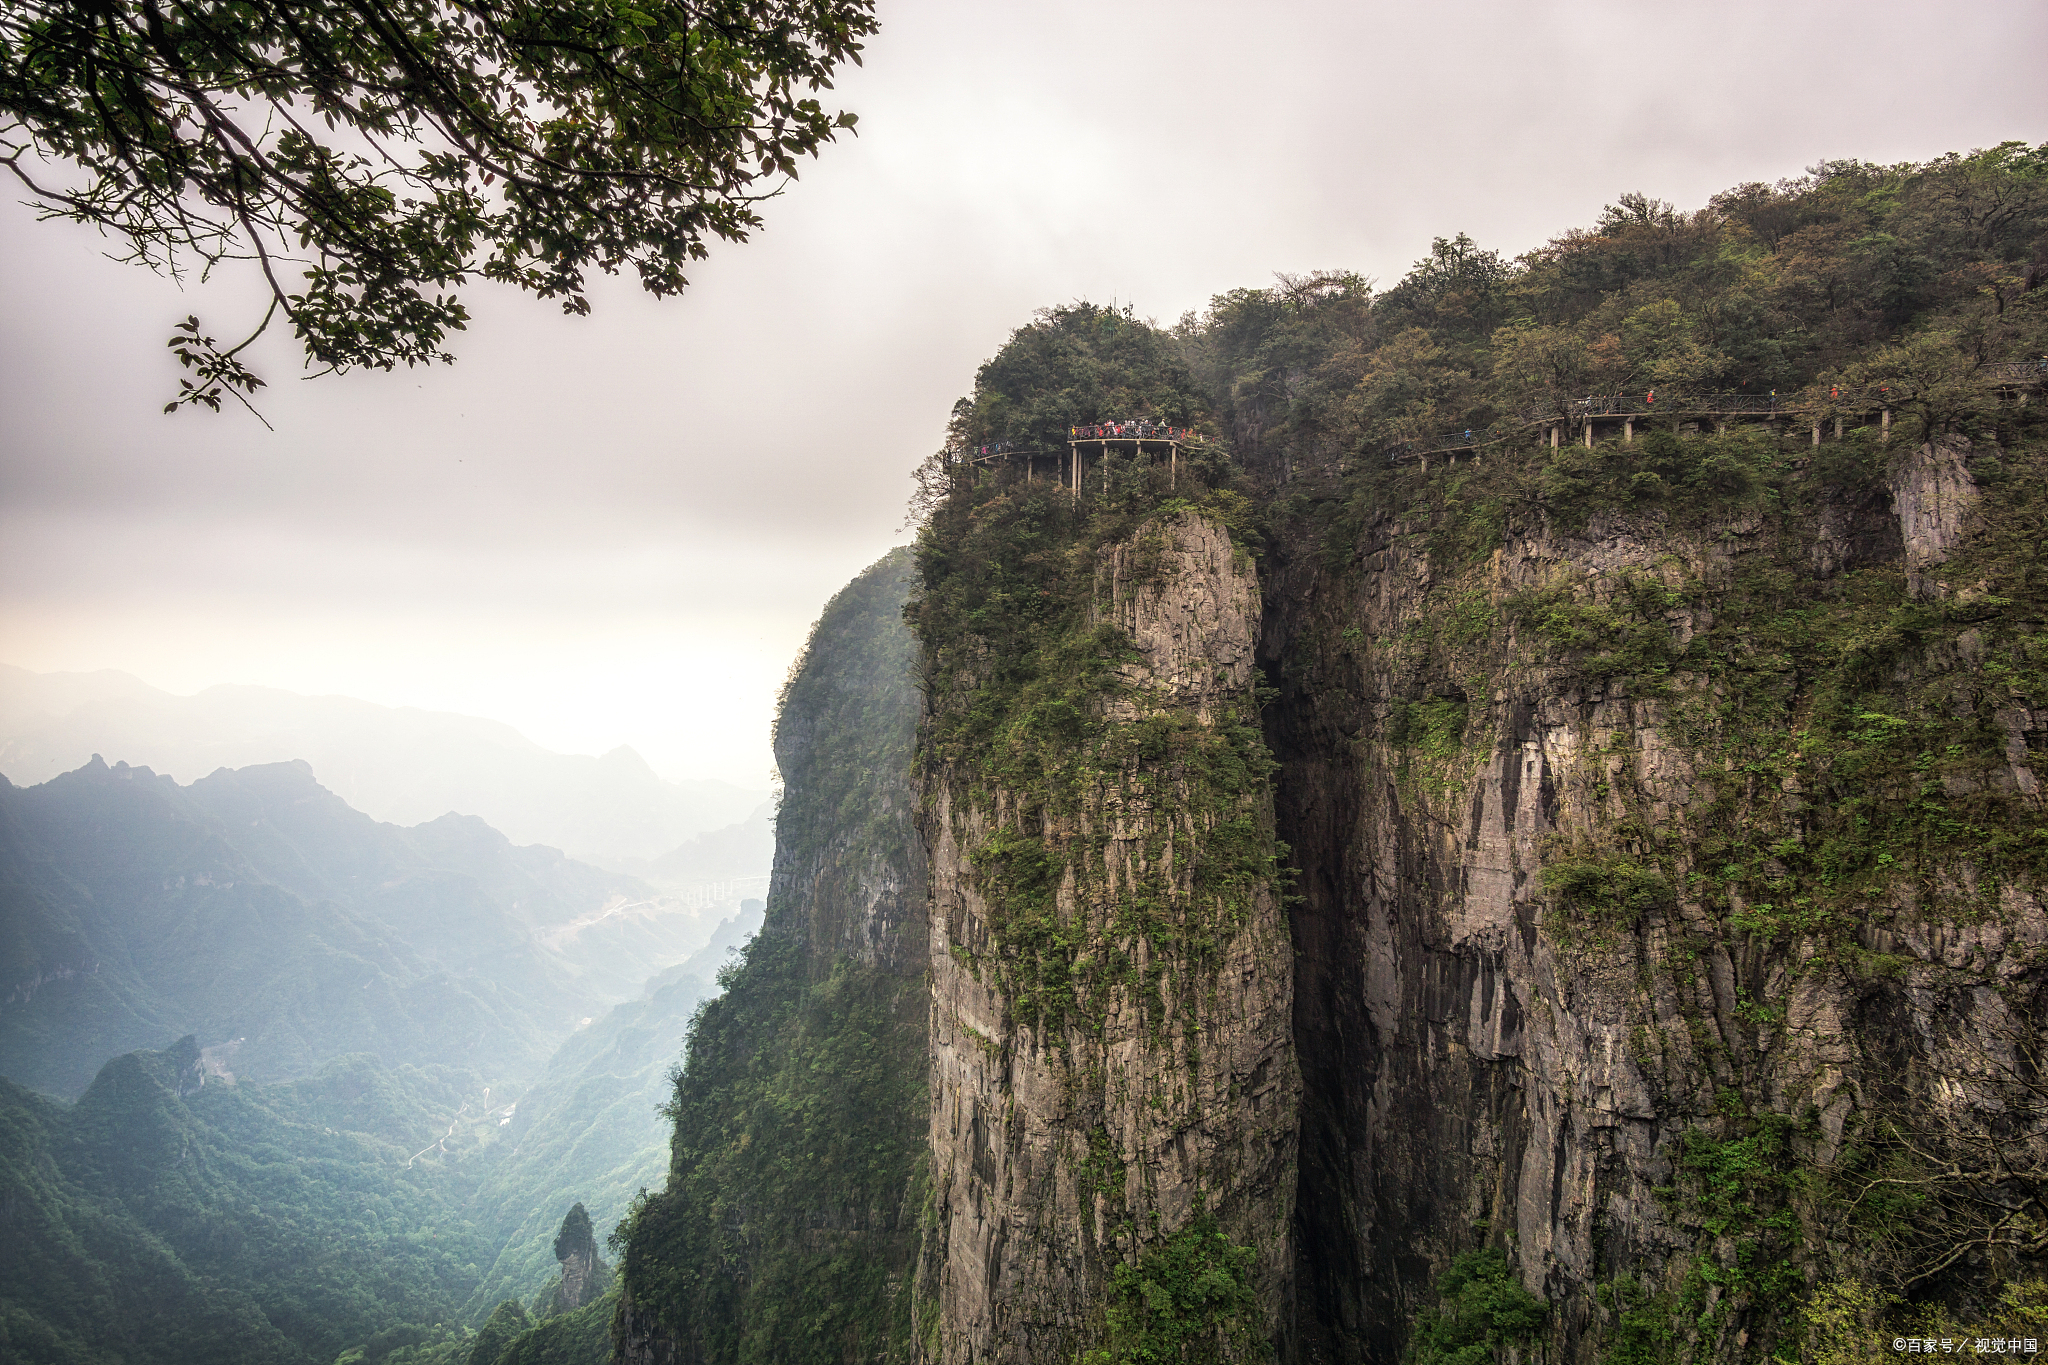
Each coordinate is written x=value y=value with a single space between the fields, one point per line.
x=1056 y=1154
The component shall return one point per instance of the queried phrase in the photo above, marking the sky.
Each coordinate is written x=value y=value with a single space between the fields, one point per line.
x=618 y=529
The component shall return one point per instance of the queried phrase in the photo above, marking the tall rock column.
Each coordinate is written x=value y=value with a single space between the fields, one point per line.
x=788 y=1229
x=1113 y=1077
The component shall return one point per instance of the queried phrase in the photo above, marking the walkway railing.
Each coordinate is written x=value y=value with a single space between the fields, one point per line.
x=1131 y=431
x=1091 y=431
x=1736 y=404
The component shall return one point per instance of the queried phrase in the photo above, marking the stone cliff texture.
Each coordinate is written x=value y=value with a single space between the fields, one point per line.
x=1111 y=998
x=1621 y=927
x=1639 y=896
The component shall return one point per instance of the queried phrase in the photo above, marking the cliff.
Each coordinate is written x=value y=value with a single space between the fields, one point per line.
x=1465 y=863
x=788 y=1227
x=1668 y=876
x=1665 y=839
x=1111 y=1062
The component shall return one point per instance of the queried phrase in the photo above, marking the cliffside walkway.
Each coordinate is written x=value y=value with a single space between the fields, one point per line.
x=1584 y=415
x=1138 y=436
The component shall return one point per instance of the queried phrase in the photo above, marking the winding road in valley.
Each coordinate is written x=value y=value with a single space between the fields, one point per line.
x=442 y=1141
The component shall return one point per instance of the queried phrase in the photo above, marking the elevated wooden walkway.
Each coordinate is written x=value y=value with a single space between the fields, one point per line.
x=1585 y=415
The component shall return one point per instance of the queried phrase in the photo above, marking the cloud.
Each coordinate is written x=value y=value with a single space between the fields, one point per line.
x=665 y=485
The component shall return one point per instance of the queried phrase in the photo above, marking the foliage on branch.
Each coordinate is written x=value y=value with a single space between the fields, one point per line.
x=373 y=156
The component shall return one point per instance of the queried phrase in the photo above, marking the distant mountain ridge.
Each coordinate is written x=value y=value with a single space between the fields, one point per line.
x=256 y=905
x=399 y=764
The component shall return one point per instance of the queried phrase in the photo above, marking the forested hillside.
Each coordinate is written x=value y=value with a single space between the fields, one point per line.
x=590 y=1129
x=280 y=1193
x=788 y=1229
x=163 y=1220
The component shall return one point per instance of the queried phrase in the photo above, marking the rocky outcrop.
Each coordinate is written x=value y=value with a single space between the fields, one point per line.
x=1113 y=1056
x=584 y=1276
x=1934 y=494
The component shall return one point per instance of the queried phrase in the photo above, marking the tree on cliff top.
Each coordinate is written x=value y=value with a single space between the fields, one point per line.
x=1080 y=363
x=575 y=1237
x=386 y=151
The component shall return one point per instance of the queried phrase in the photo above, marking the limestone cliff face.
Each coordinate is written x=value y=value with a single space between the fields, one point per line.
x=1588 y=924
x=1111 y=1001
x=1934 y=494
x=788 y=1229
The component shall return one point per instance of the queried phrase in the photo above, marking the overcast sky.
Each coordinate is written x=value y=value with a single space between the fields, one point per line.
x=616 y=529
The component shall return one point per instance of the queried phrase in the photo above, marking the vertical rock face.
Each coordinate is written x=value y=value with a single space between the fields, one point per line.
x=1666 y=881
x=788 y=1229
x=582 y=1272
x=1111 y=993
x=1608 y=955
x=1935 y=495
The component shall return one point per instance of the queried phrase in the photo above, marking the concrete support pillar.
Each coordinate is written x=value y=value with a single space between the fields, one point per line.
x=1553 y=438
x=1884 y=430
x=1720 y=427
x=1173 y=470
x=1838 y=428
x=1628 y=432
x=1589 y=433
x=1816 y=433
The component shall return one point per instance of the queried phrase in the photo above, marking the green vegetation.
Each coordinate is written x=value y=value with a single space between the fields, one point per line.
x=1025 y=676
x=1855 y=276
x=1430 y=736
x=228 y=1223
x=1187 y=1301
x=1611 y=894
x=389 y=153
x=1080 y=363
x=789 y=1225
x=581 y=1337
x=1482 y=1314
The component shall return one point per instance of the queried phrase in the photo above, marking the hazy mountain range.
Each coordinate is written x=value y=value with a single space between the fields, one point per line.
x=405 y=1053
x=398 y=764
x=255 y=909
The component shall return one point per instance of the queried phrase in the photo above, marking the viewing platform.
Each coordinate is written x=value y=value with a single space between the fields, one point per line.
x=1137 y=436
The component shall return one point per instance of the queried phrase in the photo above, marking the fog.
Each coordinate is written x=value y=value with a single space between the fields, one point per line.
x=616 y=529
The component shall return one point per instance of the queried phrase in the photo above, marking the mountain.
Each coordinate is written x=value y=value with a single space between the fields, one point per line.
x=789 y=1224
x=255 y=909
x=590 y=1129
x=166 y=1220
x=1522 y=838
x=398 y=764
